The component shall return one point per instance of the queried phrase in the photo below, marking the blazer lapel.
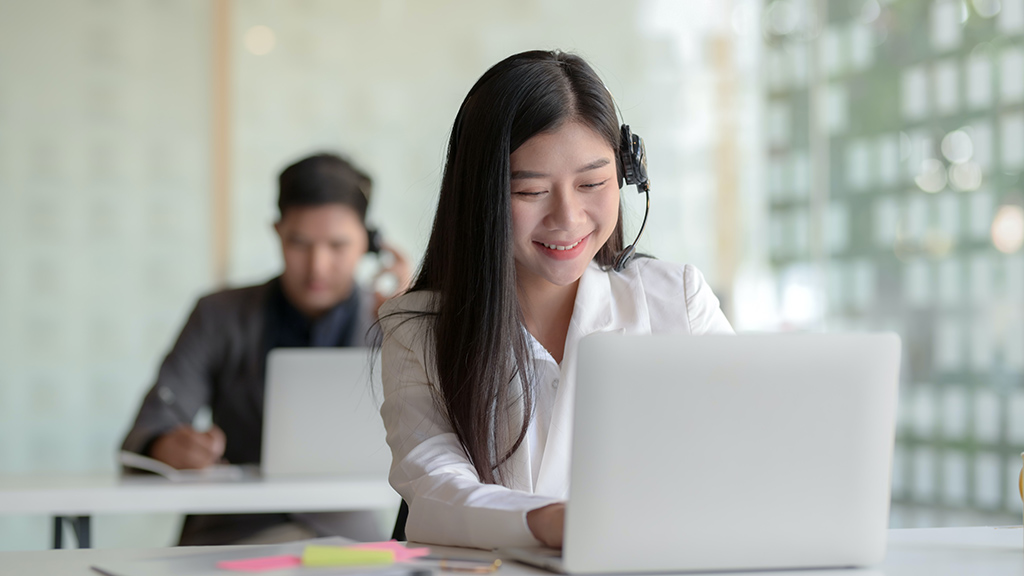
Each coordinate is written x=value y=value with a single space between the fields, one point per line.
x=604 y=303
x=517 y=469
x=254 y=338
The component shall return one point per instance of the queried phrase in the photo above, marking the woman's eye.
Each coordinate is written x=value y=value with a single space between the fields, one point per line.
x=596 y=184
x=527 y=193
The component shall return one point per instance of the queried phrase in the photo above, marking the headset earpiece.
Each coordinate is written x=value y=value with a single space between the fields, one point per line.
x=632 y=163
x=373 y=238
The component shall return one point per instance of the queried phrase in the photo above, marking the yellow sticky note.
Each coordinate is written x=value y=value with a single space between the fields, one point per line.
x=341 y=556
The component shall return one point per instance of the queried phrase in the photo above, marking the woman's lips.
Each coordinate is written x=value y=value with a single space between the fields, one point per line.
x=560 y=251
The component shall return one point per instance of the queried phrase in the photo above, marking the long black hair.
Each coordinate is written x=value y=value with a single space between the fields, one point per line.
x=479 y=344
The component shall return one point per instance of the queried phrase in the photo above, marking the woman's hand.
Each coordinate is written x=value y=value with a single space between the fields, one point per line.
x=547 y=524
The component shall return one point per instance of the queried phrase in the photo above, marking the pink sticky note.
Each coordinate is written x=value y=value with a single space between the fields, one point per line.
x=402 y=554
x=260 y=564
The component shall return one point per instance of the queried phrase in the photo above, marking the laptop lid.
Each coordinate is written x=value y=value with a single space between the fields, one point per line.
x=320 y=415
x=731 y=452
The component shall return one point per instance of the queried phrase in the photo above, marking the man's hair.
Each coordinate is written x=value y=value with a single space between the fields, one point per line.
x=324 y=179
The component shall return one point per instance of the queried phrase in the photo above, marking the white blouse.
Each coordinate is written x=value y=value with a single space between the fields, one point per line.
x=448 y=504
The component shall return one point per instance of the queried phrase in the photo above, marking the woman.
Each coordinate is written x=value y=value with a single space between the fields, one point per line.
x=479 y=356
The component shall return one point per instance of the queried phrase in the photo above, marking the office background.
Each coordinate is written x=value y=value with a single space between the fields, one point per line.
x=829 y=165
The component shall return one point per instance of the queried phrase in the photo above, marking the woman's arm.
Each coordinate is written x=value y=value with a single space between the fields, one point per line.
x=447 y=502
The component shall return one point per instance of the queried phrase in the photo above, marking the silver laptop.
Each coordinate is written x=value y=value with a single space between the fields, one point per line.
x=695 y=453
x=320 y=415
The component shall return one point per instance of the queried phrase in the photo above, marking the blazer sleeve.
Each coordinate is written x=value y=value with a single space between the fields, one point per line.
x=679 y=299
x=448 y=504
x=702 y=307
x=188 y=371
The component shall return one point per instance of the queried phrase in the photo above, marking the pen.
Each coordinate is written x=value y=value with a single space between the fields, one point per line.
x=470 y=565
x=168 y=397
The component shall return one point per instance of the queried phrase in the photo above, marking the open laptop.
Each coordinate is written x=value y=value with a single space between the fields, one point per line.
x=320 y=415
x=695 y=453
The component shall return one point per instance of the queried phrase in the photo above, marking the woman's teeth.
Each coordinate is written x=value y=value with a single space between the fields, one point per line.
x=554 y=247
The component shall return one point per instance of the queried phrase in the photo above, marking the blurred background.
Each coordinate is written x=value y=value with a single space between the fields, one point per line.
x=829 y=164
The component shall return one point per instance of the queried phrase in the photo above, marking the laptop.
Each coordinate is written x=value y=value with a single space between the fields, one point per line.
x=320 y=415
x=698 y=453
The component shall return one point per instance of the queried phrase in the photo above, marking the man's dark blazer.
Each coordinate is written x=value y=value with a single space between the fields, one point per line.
x=219 y=361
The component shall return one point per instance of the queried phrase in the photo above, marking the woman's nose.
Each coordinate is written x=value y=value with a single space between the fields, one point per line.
x=566 y=210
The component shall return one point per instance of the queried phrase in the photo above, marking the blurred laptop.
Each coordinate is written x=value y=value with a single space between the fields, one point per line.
x=729 y=453
x=320 y=415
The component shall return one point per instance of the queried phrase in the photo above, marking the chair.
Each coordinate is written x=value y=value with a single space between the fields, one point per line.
x=403 y=514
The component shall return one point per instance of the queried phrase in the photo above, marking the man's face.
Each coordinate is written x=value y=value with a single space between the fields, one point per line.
x=322 y=246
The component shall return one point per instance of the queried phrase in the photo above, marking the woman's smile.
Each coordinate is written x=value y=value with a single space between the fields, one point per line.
x=562 y=250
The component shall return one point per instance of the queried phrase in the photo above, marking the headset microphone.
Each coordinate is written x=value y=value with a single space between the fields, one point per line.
x=633 y=171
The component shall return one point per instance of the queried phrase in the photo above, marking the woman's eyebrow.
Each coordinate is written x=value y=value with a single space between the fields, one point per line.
x=594 y=165
x=527 y=174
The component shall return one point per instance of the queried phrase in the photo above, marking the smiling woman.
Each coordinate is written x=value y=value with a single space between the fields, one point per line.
x=565 y=206
x=479 y=357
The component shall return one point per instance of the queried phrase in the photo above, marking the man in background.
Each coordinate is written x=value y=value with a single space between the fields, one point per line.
x=219 y=359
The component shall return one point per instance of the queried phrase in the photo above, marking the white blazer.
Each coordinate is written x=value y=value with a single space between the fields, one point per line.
x=448 y=504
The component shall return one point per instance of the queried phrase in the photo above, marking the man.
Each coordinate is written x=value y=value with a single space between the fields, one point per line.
x=220 y=356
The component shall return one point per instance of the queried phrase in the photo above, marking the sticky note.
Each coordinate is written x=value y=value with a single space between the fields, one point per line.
x=345 y=556
x=402 y=554
x=260 y=564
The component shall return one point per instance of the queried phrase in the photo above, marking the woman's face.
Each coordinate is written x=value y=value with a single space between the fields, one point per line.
x=565 y=203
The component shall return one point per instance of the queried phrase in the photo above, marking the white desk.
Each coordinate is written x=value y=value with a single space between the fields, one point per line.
x=924 y=552
x=78 y=497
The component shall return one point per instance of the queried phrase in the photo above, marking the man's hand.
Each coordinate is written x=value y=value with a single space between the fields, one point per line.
x=398 y=271
x=186 y=449
x=547 y=524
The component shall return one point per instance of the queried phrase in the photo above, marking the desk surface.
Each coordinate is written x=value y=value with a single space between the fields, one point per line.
x=111 y=493
x=919 y=552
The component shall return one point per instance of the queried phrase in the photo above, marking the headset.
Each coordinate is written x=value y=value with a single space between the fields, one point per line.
x=374 y=240
x=632 y=165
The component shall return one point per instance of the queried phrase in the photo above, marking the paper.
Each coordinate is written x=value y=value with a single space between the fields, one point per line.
x=402 y=554
x=215 y=473
x=260 y=564
x=140 y=462
x=366 y=554
x=345 y=556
